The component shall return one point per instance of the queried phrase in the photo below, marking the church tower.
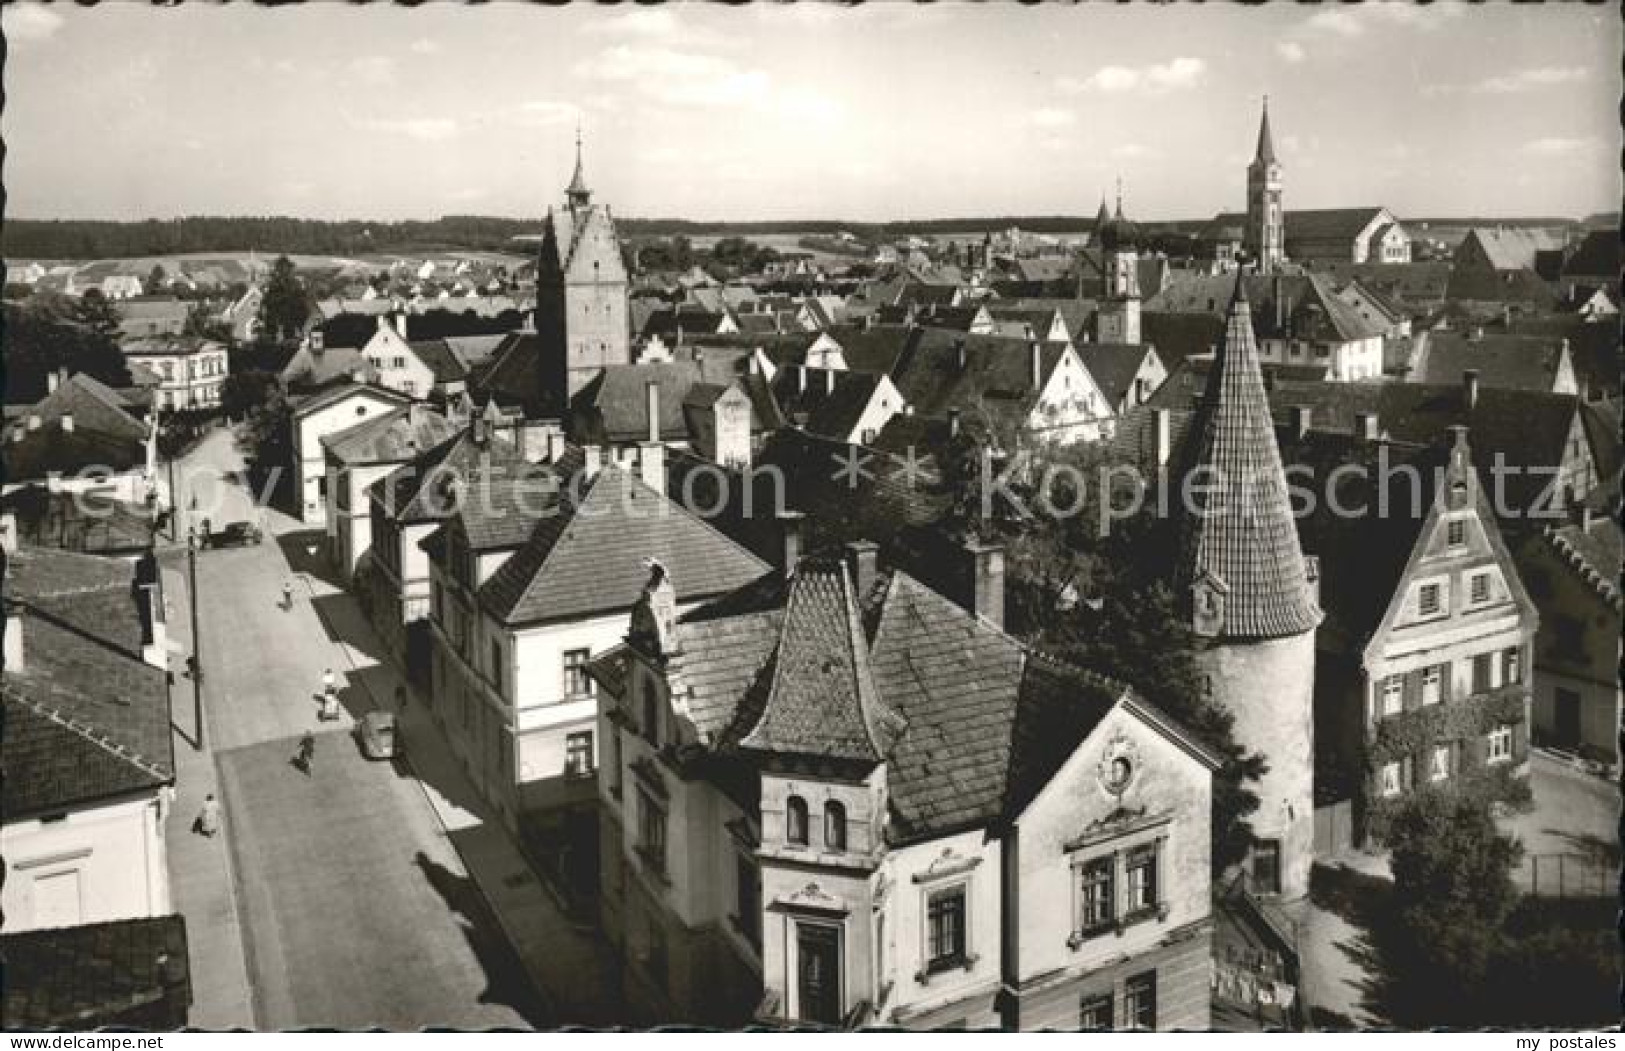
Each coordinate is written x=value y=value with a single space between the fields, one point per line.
x=1265 y=238
x=1252 y=599
x=1118 y=316
x=581 y=292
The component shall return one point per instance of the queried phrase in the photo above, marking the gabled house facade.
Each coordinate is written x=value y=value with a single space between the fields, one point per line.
x=317 y=416
x=840 y=799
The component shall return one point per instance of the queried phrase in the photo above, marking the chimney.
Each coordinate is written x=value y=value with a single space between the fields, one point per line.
x=1469 y=388
x=1506 y=316
x=862 y=558
x=317 y=340
x=594 y=461
x=790 y=527
x=400 y=324
x=1365 y=426
x=953 y=422
x=34 y=421
x=959 y=353
x=988 y=584
x=53 y=380
x=555 y=445
x=652 y=465
x=651 y=409
x=67 y=423
x=829 y=381
x=14 y=639
x=1165 y=436
x=1035 y=355
x=801 y=379
x=1277 y=292
x=1302 y=415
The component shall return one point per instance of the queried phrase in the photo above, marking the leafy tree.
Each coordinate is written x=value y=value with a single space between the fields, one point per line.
x=285 y=305
x=157 y=279
x=204 y=322
x=97 y=311
x=241 y=393
x=40 y=340
x=266 y=441
x=1452 y=895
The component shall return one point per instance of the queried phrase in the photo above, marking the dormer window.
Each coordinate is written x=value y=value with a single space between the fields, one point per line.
x=1456 y=533
x=795 y=821
x=834 y=826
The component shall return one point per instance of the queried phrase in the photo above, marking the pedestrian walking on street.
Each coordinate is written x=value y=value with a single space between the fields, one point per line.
x=307 y=752
x=287 y=594
x=208 y=820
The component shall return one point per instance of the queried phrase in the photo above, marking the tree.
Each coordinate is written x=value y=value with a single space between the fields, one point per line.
x=285 y=305
x=157 y=279
x=266 y=441
x=97 y=311
x=40 y=341
x=241 y=393
x=1444 y=921
x=203 y=322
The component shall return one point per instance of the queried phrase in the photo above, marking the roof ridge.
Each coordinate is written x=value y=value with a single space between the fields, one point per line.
x=94 y=735
x=1577 y=561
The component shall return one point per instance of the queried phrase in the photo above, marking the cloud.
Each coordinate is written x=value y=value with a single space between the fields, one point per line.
x=1530 y=79
x=657 y=24
x=425 y=129
x=672 y=77
x=425 y=46
x=1556 y=146
x=1177 y=73
x=1291 y=51
x=29 y=22
x=1355 y=20
x=1049 y=117
x=374 y=70
x=1129 y=151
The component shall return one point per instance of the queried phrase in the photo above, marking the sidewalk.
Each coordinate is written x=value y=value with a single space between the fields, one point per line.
x=574 y=972
x=200 y=868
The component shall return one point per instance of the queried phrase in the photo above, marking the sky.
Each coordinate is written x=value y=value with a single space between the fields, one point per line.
x=886 y=111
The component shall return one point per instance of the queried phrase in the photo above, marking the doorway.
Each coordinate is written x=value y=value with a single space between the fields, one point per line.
x=818 y=950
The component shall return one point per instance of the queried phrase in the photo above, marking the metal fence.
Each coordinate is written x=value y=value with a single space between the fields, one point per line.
x=1568 y=876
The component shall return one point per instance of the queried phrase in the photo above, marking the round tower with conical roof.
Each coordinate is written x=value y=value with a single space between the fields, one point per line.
x=1265 y=234
x=1252 y=599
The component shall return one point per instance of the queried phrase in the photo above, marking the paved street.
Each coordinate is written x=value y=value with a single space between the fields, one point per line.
x=355 y=909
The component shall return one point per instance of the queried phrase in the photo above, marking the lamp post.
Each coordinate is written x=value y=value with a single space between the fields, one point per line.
x=197 y=638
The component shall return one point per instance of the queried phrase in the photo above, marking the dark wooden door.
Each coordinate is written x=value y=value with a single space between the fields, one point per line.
x=1568 y=718
x=819 y=949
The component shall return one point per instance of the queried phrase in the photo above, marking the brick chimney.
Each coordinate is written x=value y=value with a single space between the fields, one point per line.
x=953 y=422
x=400 y=324
x=863 y=559
x=651 y=409
x=593 y=461
x=66 y=422
x=53 y=380
x=1035 y=358
x=988 y=581
x=791 y=524
x=1469 y=388
x=829 y=381
x=1165 y=436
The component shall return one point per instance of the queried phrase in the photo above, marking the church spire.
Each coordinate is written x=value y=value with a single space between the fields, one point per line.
x=1241 y=567
x=578 y=194
x=1266 y=145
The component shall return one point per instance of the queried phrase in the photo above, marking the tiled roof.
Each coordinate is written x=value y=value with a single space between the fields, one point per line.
x=94 y=406
x=310 y=403
x=98 y=974
x=392 y=437
x=996 y=376
x=588 y=558
x=1243 y=536
x=521 y=372
x=87 y=522
x=1113 y=367
x=1513 y=248
x=614 y=405
x=409 y=487
x=168 y=346
x=1177 y=336
x=1415 y=286
x=1594 y=551
x=822 y=701
x=512 y=497
x=1328 y=224
x=874 y=349
x=1500 y=286
x=1598 y=256
x=1523 y=362
x=1594 y=348
x=439 y=357
x=50 y=449
x=827 y=402
x=1308 y=306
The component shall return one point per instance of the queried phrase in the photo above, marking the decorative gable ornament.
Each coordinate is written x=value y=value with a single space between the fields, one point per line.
x=1119 y=766
x=654 y=618
x=1208 y=593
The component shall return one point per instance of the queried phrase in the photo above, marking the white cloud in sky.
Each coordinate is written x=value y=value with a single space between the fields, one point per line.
x=29 y=22
x=1291 y=51
x=695 y=79
x=1356 y=19
x=373 y=70
x=1129 y=151
x=1182 y=72
x=425 y=46
x=1557 y=146
x=424 y=129
x=1530 y=79
x=1050 y=117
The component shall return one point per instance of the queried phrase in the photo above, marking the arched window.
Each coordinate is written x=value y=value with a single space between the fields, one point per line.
x=795 y=820
x=834 y=826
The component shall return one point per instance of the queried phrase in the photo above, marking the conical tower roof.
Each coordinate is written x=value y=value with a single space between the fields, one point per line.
x=1266 y=145
x=1239 y=542
x=578 y=183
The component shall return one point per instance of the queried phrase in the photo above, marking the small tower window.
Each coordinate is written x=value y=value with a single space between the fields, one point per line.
x=795 y=820
x=834 y=826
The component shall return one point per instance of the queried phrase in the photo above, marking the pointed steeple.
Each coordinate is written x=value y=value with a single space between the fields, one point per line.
x=578 y=194
x=1102 y=217
x=1241 y=568
x=1119 y=214
x=1266 y=145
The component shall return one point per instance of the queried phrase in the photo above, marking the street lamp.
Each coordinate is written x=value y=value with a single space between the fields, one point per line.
x=197 y=638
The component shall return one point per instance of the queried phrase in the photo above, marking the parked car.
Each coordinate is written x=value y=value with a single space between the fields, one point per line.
x=233 y=534
x=378 y=740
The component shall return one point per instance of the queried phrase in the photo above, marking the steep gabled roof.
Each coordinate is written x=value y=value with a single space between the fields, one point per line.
x=94 y=406
x=1521 y=362
x=98 y=974
x=1241 y=535
x=1513 y=248
x=395 y=436
x=1113 y=367
x=1598 y=256
x=587 y=556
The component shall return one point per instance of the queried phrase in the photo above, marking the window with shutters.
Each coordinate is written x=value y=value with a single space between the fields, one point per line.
x=1481 y=672
x=1431 y=678
x=1429 y=600
x=1456 y=533
x=1393 y=695
x=1500 y=745
x=1478 y=588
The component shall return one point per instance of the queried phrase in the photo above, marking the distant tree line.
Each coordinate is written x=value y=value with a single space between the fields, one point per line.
x=104 y=239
